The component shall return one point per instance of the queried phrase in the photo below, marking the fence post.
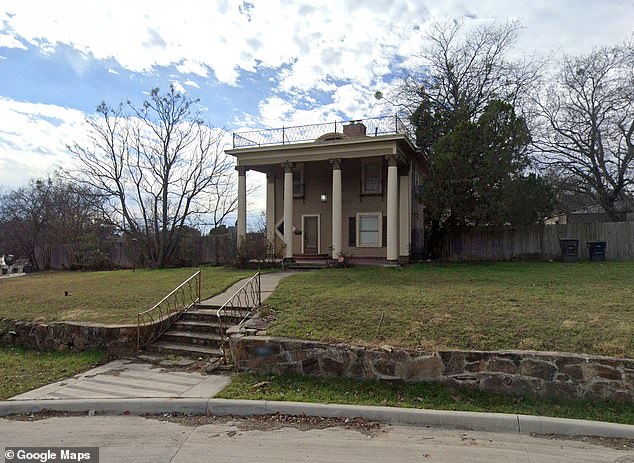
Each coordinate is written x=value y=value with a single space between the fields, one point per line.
x=259 y=291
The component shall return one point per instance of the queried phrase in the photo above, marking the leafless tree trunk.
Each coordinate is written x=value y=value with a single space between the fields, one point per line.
x=156 y=164
x=586 y=131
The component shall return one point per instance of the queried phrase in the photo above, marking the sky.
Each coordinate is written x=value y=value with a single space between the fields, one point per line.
x=252 y=63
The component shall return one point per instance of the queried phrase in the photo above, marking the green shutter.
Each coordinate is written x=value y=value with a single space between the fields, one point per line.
x=352 y=232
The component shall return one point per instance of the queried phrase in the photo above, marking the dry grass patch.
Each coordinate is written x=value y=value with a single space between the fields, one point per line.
x=583 y=307
x=101 y=297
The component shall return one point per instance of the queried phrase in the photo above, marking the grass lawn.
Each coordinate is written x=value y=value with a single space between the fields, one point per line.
x=582 y=307
x=415 y=395
x=21 y=371
x=101 y=297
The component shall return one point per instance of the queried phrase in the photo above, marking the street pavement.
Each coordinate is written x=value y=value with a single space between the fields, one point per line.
x=139 y=439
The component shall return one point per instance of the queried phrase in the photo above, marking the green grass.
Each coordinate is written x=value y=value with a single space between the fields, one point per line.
x=415 y=395
x=101 y=297
x=582 y=307
x=21 y=370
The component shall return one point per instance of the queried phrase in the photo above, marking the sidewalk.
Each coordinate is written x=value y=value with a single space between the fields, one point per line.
x=127 y=379
x=268 y=283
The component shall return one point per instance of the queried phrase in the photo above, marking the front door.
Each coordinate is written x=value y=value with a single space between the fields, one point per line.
x=311 y=234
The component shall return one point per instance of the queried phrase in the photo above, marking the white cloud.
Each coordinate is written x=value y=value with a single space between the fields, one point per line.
x=178 y=87
x=191 y=83
x=9 y=41
x=33 y=137
x=318 y=41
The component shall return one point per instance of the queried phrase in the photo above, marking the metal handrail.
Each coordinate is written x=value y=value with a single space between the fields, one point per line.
x=163 y=314
x=240 y=305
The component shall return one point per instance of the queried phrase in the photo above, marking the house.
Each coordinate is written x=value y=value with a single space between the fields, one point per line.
x=343 y=189
x=594 y=214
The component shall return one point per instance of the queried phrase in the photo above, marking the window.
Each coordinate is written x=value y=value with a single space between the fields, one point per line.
x=298 y=181
x=371 y=183
x=369 y=228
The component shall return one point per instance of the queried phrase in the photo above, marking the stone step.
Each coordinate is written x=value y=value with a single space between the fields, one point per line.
x=192 y=338
x=232 y=318
x=184 y=350
x=211 y=326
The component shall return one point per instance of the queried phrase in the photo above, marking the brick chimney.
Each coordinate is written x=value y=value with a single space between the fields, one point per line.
x=354 y=129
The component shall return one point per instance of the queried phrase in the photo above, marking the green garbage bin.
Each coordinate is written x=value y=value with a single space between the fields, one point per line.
x=569 y=249
x=596 y=250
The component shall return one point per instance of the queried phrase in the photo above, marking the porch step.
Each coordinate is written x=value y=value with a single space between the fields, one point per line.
x=185 y=350
x=308 y=264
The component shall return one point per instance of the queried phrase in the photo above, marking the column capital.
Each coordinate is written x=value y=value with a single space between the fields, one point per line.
x=270 y=178
x=242 y=170
x=392 y=160
x=336 y=164
x=288 y=167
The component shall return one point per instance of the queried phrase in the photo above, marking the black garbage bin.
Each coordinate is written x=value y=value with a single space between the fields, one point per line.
x=569 y=249
x=596 y=249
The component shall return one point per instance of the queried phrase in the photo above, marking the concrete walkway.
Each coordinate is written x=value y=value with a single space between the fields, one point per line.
x=127 y=378
x=268 y=283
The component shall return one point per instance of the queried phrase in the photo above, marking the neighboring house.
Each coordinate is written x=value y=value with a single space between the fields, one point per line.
x=345 y=189
x=594 y=214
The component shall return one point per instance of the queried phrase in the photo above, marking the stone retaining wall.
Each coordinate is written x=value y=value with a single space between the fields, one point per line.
x=62 y=336
x=529 y=373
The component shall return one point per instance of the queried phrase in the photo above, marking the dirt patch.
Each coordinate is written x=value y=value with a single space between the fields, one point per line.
x=617 y=443
x=274 y=422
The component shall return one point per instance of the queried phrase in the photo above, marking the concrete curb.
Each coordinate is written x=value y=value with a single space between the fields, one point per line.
x=472 y=421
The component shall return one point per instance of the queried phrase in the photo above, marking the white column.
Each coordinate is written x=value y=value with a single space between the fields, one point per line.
x=404 y=213
x=270 y=208
x=337 y=227
x=288 y=209
x=242 y=204
x=392 y=209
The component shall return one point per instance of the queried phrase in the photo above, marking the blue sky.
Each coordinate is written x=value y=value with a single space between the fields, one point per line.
x=255 y=63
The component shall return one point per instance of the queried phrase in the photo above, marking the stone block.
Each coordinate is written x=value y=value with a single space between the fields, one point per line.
x=475 y=367
x=562 y=390
x=608 y=372
x=310 y=366
x=624 y=396
x=501 y=366
x=332 y=367
x=384 y=367
x=537 y=369
x=453 y=362
x=573 y=371
x=601 y=390
x=421 y=369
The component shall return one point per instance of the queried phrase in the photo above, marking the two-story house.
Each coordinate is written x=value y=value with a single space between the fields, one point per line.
x=343 y=189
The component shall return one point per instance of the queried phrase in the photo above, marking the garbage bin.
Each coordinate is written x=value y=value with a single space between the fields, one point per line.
x=569 y=249
x=596 y=249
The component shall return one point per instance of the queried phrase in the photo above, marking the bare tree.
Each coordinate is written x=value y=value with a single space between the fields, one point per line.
x=587 y=124
x=462 y=103
x=463 y=71
x=156 y=164
x=47 y=214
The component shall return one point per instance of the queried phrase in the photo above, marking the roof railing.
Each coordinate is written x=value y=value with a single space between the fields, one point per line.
x=374 y=126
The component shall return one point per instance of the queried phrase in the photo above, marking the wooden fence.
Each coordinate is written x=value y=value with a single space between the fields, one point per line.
x=537 y=242
x=215 y=249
